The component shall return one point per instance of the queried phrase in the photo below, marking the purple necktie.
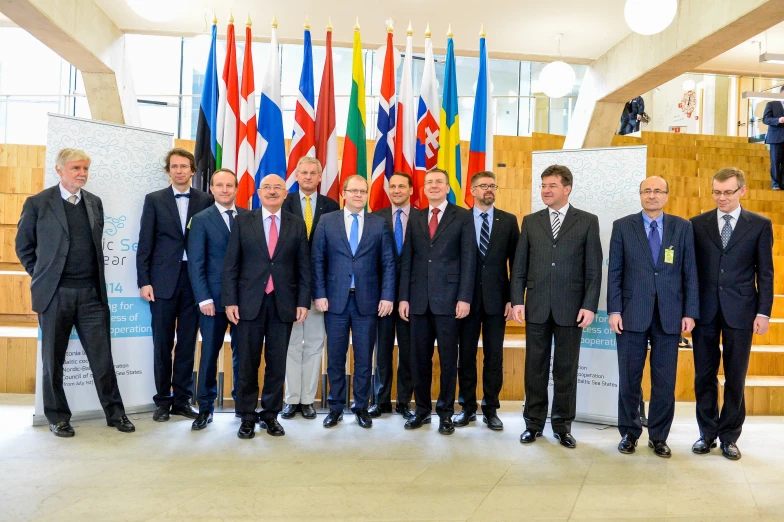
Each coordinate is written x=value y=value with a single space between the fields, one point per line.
x=654 y=241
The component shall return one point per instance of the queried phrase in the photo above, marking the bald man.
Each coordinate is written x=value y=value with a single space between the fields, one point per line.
x=266 y=288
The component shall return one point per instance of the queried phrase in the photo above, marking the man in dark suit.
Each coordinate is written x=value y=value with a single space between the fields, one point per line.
x=59 y=242
x=734 y=250
x=634 y=108
x=353 y=284
x=436 y=287
x=391 y=327
x=556 y=281
x=207 y=241
x=652 y=295
x=496 y=241
x=266 y=288
x=773 y=117
x=162 y=276
x=303 y=362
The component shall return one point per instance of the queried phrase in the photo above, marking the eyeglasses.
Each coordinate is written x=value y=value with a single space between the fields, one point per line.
x=274 y=188
x=657 y=192
x=354 y=192
x=726 y=193
x=485 y=186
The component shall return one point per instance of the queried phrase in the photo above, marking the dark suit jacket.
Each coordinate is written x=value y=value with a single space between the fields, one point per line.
x=322 y=205
x=773 y=111
x=491 y=287
x=634 y=283
x=386 y=213
x=558 y=276
x=161 y=241
x=727 y=276
x=42 y=242
x=635 y=108
x=207 y=241
x=247 y=266
x=438 y=272
x=373 y=265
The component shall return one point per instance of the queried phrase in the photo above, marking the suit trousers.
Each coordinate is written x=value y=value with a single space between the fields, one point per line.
x=363 y=337
x=82 y=308
x=179 y=313
x=776 y=164
x=425 y=330
x=632 y=352
x=565 y=361
x=387 y=328
x=707 y=356
x=493 y=328
x=267 y=330
x=303 y=362
x=213 y=332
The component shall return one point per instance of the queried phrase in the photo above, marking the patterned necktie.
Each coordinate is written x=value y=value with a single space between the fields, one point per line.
x=556 y=224
x=272 y=242
x=308 y=215
x=433 y=225
x=484 y=235
x=654 y=241
x=230 y=214
x=73 y=199
x=726 y=230
x=399 y=232
x=187 y=195
x=353 y=240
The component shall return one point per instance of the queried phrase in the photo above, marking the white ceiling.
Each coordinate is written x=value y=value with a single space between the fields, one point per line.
x=744 y=59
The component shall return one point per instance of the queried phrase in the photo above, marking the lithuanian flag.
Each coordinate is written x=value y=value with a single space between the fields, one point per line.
x=355 y=146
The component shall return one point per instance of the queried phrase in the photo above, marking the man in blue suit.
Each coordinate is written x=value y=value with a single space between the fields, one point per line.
x=773 y=117
x=353 y=284
x=209 y=235
x=651 y=295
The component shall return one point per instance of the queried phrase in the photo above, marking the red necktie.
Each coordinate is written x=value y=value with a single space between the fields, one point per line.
x=271 y=244
x=434 y=222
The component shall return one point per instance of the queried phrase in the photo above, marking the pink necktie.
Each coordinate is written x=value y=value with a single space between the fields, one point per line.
x=271 y=244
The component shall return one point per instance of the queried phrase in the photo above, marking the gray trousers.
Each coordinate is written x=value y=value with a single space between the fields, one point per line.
x=303 y=362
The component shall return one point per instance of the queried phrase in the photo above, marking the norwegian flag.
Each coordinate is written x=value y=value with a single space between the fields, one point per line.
x=303 y=139
x=384 y=155
x=428 y=126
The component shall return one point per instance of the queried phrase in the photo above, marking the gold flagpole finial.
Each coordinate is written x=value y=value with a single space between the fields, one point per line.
x=428 y=34
x=274 y=22
x=214 y=18
x=390 y=28
x=410 y=30
x=482 y=33
x=329 y=24
x=356 y=25
x=307 y=23
x=449 y=33
x=231 y=17
x=248 y=23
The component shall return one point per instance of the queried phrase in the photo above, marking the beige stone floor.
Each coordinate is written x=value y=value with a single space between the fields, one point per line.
x=168 y=472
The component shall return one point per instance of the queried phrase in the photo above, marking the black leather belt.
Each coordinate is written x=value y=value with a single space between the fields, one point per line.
x=351 y=291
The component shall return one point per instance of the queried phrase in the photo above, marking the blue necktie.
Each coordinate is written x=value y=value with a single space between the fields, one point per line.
x=399 y=232
x=187 y=195
x=654 y=241
x=353 y=240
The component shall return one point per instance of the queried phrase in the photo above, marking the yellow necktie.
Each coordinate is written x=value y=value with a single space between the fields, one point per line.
x=308 y=215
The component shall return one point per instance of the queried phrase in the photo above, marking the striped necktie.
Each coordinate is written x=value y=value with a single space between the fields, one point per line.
x=556 y=224
x=484 y=235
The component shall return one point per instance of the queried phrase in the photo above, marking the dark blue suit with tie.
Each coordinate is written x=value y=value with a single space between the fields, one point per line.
x=775 y=138
x=208 y=238
x=337 y=259
x=652 y=298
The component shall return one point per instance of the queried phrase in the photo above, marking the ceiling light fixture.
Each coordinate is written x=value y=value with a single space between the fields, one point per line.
x=649 y=17
x=557 y=78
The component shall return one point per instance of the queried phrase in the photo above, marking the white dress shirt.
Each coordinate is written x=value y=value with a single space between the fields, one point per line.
x=734 y=221
x=223 y=214
x=348 y=220
x=182 y=208
x=441 y=207
x=312 y=204
x=478 y=222
x=265 y=214
x=561 y=213
x=65 y=194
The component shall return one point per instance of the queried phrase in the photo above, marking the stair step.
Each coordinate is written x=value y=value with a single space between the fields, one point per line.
x=764 y=395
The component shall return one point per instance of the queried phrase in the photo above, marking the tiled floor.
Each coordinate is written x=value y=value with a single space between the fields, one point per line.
x=168 y=472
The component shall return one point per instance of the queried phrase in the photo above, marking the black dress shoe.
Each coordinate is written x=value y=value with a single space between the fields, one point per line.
x=529 y=436
x=186 y=410
x=404 y=410
x=62 y=429
x=627 y=444
x=237 y=415
x=123 y=424
x=417 y=421
x=247 y=430
x=463 y=418
x=161 y=414
x=289 y=410
x=493 y=422
x=660 y=448
x=566 y=440
x=308 y=411
x=201 y=421
x=446 y=427
x=730 y=451
x=363 y=419
x=703 y=446
x=333 y=417
x=377 y=410
x=274 y=428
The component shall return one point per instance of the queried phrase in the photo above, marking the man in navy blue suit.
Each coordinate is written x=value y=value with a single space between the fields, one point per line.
x=353 y=264
x=773 y=117
x=208 y=238
x=651 y=295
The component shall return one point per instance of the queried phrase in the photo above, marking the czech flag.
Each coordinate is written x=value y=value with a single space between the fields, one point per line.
x=480 y=152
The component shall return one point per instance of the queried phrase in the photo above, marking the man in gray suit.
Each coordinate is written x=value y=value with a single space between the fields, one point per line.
x=556 y=281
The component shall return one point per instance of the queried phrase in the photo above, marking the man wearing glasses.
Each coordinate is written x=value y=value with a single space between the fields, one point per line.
x=734 y=249
x=652 y=296
x=266 y=288
x=496 y=240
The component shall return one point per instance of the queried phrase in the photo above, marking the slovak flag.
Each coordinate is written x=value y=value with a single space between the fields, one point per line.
x=303 y=139
x=384 y=155
x=427 y=129
x=480 y=151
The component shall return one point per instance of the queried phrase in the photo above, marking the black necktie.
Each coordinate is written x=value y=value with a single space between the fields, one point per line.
x=230 y=213
x=186 y=196
x=484 y=235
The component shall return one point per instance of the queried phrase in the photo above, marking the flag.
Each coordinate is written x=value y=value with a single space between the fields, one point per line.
x=228 y=106
x=326 y=131
x=206 y=132
x=246 y=155
x=354 y=145
x=427 y=129
x=405 y=138
x=384 y=154
x=449 y=140
x=303 y=139
x=271 y=150
x=480 y=152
